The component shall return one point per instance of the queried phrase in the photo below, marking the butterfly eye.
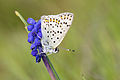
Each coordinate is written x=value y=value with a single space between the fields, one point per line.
x=56 y=50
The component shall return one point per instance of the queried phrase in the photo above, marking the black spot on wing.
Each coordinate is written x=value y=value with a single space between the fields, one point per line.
x=60 y=32
x=57 y=37
x=57 y=31
x=53 y=41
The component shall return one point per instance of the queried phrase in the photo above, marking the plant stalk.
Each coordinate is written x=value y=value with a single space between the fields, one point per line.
x=44 y=58
x=53 y=74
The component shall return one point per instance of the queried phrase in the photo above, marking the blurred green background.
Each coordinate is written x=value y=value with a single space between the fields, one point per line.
x=94 y=34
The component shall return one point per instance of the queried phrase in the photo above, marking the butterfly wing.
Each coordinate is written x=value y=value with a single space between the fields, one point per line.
x=54 y=28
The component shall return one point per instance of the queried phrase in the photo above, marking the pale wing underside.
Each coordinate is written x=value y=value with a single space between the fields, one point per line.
x=54 y=28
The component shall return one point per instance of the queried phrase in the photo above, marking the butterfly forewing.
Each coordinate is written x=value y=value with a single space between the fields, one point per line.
x=54 y=28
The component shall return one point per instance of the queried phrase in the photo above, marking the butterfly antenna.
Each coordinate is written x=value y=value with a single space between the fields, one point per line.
x=71 y=50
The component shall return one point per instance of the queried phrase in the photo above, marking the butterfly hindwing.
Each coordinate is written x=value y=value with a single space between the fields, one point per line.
x=54 y=28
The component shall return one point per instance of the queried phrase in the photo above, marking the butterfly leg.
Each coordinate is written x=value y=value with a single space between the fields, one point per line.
x=49 y=53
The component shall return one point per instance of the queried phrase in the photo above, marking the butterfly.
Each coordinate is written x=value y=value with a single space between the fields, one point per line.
x=54 y=29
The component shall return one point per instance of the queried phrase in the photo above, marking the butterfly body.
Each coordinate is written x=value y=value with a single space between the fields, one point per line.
x=54 y=29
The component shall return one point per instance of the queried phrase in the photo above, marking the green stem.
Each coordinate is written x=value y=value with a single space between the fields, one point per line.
x=22 y=19
x=48 y=64
x=54 y=72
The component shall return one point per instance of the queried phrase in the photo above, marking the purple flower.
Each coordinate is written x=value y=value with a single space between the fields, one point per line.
x=39 y=34
x=30 y=39
x=38 y=24
x=38 y=58
x=31 y=21
x=34 y=52
x=40 y=49
x=30 y=27
x=33 y=46
x=34 y=37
